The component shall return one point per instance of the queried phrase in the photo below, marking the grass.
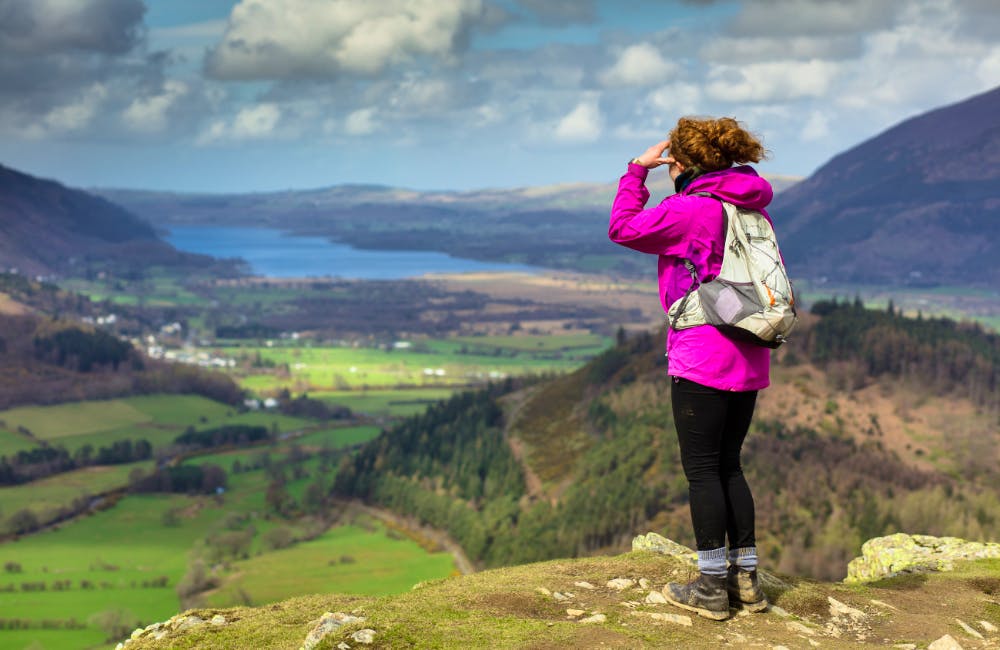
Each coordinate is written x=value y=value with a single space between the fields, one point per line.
x=47 y=496
x=347 y=559
x=392 y=402
x=156 y=418
x=12 y=442
x=428 y=364
x=119 y=548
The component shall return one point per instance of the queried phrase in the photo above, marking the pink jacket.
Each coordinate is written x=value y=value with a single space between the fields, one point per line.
x=684 y=226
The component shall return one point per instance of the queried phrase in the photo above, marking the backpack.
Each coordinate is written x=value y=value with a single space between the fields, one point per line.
x=751 y=299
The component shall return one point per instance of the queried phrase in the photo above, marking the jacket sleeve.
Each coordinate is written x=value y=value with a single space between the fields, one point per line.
x=660 y=230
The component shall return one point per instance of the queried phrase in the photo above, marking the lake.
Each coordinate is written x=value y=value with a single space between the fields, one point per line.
x=279 y=254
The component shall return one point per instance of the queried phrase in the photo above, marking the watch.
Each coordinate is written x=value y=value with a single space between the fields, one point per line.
x=635 y=161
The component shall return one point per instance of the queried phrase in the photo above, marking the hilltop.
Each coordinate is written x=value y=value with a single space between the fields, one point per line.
x=609 y=602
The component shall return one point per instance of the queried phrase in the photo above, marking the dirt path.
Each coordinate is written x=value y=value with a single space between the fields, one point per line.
x=514 y=405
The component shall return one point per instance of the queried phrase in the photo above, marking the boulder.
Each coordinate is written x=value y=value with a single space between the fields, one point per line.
x=660 y=544
x=883 y=557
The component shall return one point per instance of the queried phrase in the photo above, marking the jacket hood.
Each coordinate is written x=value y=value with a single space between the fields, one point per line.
x=737 y=185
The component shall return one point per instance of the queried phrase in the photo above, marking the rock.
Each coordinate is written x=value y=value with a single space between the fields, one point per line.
x=343 y=646
x=795 y=626
x=968 y=629
x=839 y=609
x=596 y=618
x=584 y=585
x=660 y=544
x=678 y=619
x=945 y=643
x=644 y=583
x=326 y=624
x=986 y=625
x=366 y=636
x=619 y=584
x=573 y=613
x=778 y=647
x=543 y=591
x=774 y=609
x=631 y=604
x=137 y=632
x=561 y=597
x=905 y=646
x=120 y=646
x=883 y=557
x=218 y=619
x=656 y=598
x=187 y=622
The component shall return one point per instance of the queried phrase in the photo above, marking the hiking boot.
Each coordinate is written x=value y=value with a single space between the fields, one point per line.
x=707 y=596
x=744 y=589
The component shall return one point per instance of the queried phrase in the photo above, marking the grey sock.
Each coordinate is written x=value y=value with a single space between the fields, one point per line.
x=712 y=562
x=745 y=558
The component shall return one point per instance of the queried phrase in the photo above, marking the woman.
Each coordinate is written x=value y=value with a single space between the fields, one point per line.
x=715 y=379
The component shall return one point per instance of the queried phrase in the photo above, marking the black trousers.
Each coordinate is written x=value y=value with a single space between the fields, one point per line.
x=711 y=426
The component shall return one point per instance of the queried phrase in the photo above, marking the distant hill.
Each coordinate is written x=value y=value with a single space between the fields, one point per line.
x=918 y=204
x=555 y=226
x=46 y=228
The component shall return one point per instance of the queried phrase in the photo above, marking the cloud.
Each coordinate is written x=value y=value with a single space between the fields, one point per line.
x=149 y=114
x=777 y=81
x=677 y=99
x=817 y=127
x=33 y=27
x=360 y=122
x=251 y=123
x=294 y=39
x=73 y=116
x=639 y=65
x=582 y=124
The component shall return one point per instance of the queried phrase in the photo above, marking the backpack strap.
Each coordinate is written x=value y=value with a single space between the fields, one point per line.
x=689 y=265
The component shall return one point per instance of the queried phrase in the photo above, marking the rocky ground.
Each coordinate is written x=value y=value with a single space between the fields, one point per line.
x=615 y=602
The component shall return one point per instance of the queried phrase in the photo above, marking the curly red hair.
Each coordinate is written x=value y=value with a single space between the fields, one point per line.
x=713 y=144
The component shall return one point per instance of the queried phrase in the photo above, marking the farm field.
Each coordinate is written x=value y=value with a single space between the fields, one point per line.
x=156 y=418
x=128 y=560
x=392 y=403
x=47 y=496
x=429 y=364
x=346 y=559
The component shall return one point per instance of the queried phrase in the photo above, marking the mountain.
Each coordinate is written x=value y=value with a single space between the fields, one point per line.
x=46 y=228
x=918 y=204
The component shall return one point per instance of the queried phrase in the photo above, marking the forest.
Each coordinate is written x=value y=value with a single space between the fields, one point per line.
x=612 y=469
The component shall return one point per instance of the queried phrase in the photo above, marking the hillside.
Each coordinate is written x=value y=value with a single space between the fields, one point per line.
x=48 y=228
x=890 y=422
x=607 y=602
x=918 y=204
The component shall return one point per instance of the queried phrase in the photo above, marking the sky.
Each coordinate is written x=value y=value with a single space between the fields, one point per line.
x=263 y=95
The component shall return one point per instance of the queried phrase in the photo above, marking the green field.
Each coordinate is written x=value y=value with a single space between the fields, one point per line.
x=346 y=559
x=156 y=418
x=118 y=549
x=402 y=402
x=47 y=496
x=12 y=442
x=460 y=362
